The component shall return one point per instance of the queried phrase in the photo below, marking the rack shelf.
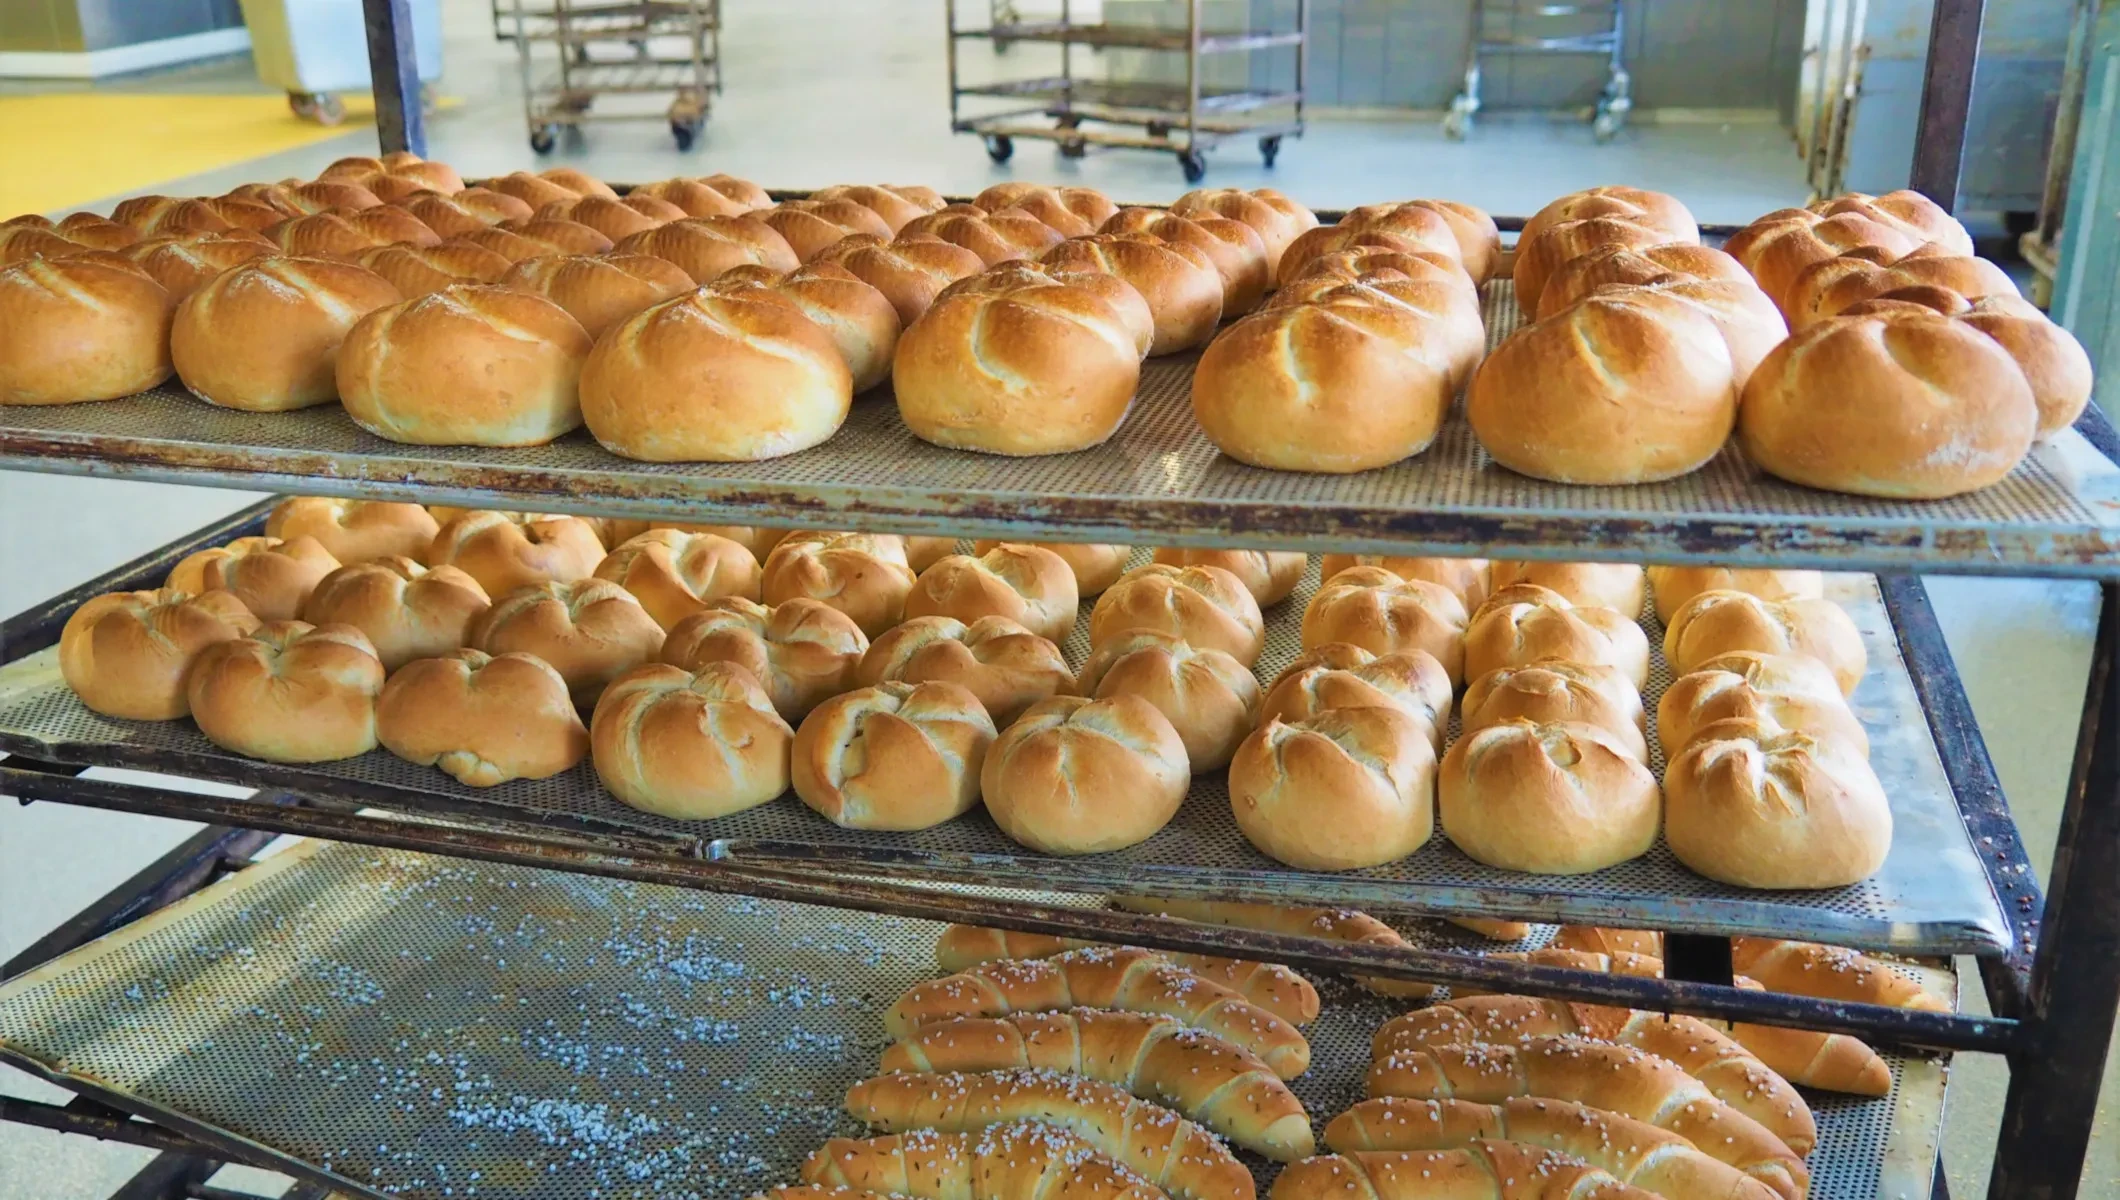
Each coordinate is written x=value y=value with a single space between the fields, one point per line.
x=1137 y=37
x=1130 y=103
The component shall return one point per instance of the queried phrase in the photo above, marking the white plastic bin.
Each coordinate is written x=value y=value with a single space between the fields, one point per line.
x=313 y=48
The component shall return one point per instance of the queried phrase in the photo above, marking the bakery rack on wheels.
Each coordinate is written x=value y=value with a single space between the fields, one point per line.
x=1607 y=39
x=1184 y=119
x=264 y=1016
x=616 y=48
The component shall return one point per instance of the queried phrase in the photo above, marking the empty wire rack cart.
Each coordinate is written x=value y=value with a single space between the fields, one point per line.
x=1592 y=27
x=1186 y=119
x=601 y=48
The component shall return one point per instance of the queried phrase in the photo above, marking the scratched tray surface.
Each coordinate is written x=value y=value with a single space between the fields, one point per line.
x=1931 y=897
x=397 y=1023
x=2060 y=511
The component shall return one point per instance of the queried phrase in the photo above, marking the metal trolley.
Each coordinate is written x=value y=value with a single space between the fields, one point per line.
x=1607 y=40
x=615 y=47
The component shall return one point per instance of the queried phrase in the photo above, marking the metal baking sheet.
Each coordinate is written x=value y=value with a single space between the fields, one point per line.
x=2059 y=513
x=400 y=1024
x=1932 y=896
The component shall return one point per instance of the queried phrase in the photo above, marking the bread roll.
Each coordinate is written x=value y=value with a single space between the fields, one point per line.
x=705 y=247
x=590 y=630
x=1780 y=246
x=1773 y=690
x=417 y=270
x=1469 y=579
x=1761 y=807
x=265 y=336
x=716 y=378
x=1269 y=575
x=1134 y=315
x=1180 y=284
x=467 y=211
x=1005 y=666
x=406 y=611
x=271 y=577
x=507 y=243
x=758 y=539
x=714 y=196
x=862 y=575
x=673 y=573
x=1206 y=606
x=1235 y=249
x=1209 y=698
x=77 y=329
x=1716 y=623
x=894 y=206
x=337 y=233
x=1526 y=623
x=690 y=745
x=910 y=272
x=1621 y=587
x=1551 y=691
x=1831 y=973
x=994 y=237
x=466 y=365
x=1383 y=614
x=505 y=551
x=1080 y=776
x=1906 y=210
x=1074 y=211
x=812 y=225
x=615 y=219
x=800 y=651
x=182 y=267
x=1829 y=288
x=128 y=654
x=483 y=720
x=599 y=292
x=1540 y=259
x=1029 y=585
x=289 y=693
x=1348 y=788
x=152 y=215
x=1416 y=227
x=1277 y=219
x=1390 y=270
x=860 y=321
x=534 y=190
x=1340 y=675
x=96 y=232
x=1655 y=210
x=1096 y=566
x=2053 y=361
x=1023 y=1158
x=580 y=183
x=561 y=237
x=1676 y=585
x=1551 y=799
x=896 y=756
x=20 y=243
x=1618 y=265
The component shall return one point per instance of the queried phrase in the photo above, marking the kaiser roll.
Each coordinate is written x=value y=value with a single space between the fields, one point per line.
x=1551 y=691
x=1653 y=209
x=1207 y=696
x=1029 y=585
x=1716 y=622
x=895 y=207
x=860 y=321
x=690 y=745
x=589 y=630
x=1906 y=210
x=561 y=237
x=996 y=237
x=895 y=756
x=714 y=196
x=1277 y=219
x=615 y=219
x=1007 y=667
x=1270 y=575
x=2053 y=361
x=1180 y=284
x=265 y=336
x=800 y=651
x=1236 y=250
x=483 y=720
x=1830 y=288
x=673 y=573
x=1080 y=776
x=354 y=530
x=83 y=328
x=706 y=247
x=100 y=233
x=1621 y=587
x=1782 y=690
x=910 y=272
x=182 y=267
x=812 y=225
x=505 y=551
x=467 y=211
x=1384 y=614
x=1619 y=265
x=290 y=692
x=1133 y=312
x=1348 y=788
x=862 y=575
x=1525 y=623
x=1469 y=579
x=1780 y=246
x=581 y=183
x=1757 y=806
x=1418 y=226
x=1676 y=585
x=271 y=577
x=406 y=611
x=602 y=291
x=1343 y=675
x=533 y=190
x=1206 y=606
x=924 y=552
x=1540 y=259
x=22 y=242
x=1074 y=211
x=1550 y=799
x=417 y=270
x=1096 y=565
x=127 y=654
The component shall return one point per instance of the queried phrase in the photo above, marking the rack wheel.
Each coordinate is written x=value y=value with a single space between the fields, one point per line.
x=1194 y=164
x=323 y=108
x=1074 y=148
x=1608 y=122
x=1457 y=123
x=1270 y=149
x=999 y=147
x=543 y=138
x=685 y=133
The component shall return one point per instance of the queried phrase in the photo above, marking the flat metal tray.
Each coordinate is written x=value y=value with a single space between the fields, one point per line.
x=1931 y=897
x=399 y=1024
x=2058 y=514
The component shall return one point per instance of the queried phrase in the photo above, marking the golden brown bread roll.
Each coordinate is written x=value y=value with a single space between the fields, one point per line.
x=858 y=318
x=580 y=183
x=1785 y=690
x=128 y=654
x=1235 y=249
x=1433 y=284
x=1830 y=288
x=505 y=551
x=483 y=720
x=335 y=233
x=673 y=573
x=1180 y=284
x=615 y=219
x=924 y=552
x=801 y=651
x=1005 y=666
x=1080 y=776
x=289 y=692
x=1277 y=219
x=1757 y=806
x=271 y=577
x=1779 y=247
x=1551 y=799
x=1619 y=265
x=1469 y=579
x=1376 y=610
x=20 y=243
x=1907 y=211
x=152 y=215
x=1540 y=259
x=183 y=266
x=468 y=211
x=470 y=364
x=1018 y=274
x=95 y=232
x=896 y=756
x=417 y=270
x=265 y=336
x=1024 y=1158
x=1208 y=697
x=1524 y=623
x=1417 y=226
x=1074 y=211
x=1096 y=565
x=1830 y=973
x=1027 y=584
x=1653 y=209
x=1716 y=623
x=893 y=205
x=758 y=539
x=1270 y=575
x=507 y=243
x=715 y=378
x=810 y=226
x=560 y=237
x=862 y=575
x=1341 y=675
x=2053 y=361
x=910 y=272
x=996 y=237
x=704 y=247
x=1551 y=691
x=1277 y=989
x=1621 y=587
x=1206 y=606
x=80 y=328
x=406 y=611
x=1348 y=788
x=690 y=745
x=599 y=291
x=589 y=630
x=713 y=196
x=1676 y=585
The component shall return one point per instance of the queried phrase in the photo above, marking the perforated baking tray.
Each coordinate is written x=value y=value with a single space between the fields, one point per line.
x=1932 y=896
x=2059 y=513
x=390 y=1023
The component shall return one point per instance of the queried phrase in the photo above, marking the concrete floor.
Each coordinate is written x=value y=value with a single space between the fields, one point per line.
x=822 y=92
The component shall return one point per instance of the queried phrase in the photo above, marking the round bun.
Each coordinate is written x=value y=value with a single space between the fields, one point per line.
x=467 y=211
x=714 y=196
x=1469 y=579
x=1029 y=585
x=1235 y=249
x=1005 y=666
x=1340 y=675
x=1676 y=585
x=996 y=237
x=862 y=575
x=924 y=552
x=800 y=651
x=1207 y=696
x=82 y=328
x=1539 y=260
x=1415 y=226
x=1180 y=284
x=1270 y=575
x=590 y=630
x=1371 y=608
x=1348 y=788
x=1134 y=315
x=1779 y=247
x=182 y=267
x=1274 y=217
x=1653 y=209
x=811 y=226
x=910 y=272
x=896 y=756
x=354 y=530
x=1619 y=265
x=1550 y=799
x=1525 y=623
x=1553 y=692
x=1040 y=367
x=1716 y=623
x=289 y=692
x=1830 y=288
x=482 y=720
x=1755 y=806
x=265 y=336
x=716 y=378
x=1074 y=211
x=1080 y=776
x=1907 y=211
x=1621 y=587
x=95 y=232
x=127 y=654
x=467 y=365
x=861 y=322
x=417 y=270
x=1783 y=691
x=673 y=573
x=2053 y=361
x=406 y=611
x=706 y=247
x=599 y=291
x=271 y=577
x=893 y=205
x=1096 y=565
x=690 y=745
x=505 y=551
x=1206 y=606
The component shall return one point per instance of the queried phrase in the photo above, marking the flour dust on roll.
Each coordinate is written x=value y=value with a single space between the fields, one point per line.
x=705 y=247
x=864 y=575
x=1348 y=788
x=896 y=756
x=589 y=630
x=405 y=610
x=466 y=365
x=1781 y=690
x=1027 y=584
x=1277 y=219
x=1005 y=666
x=1235 y=249
x=1526 y=623
x=1180 y=284
x=1621 y=587
x=1714 y=623
x=691 y=745
x=1550 y=799
x=1376 y=610
x=673 y=573
x=1210 y=698
x=1270 y=575
x=1757 y=806
x=1553 y=691
x=800 y=651
x=289 y=692
x=481 y=719
x=265 y=336
x=129 y=654
x=505 y=551
x=1206 y=606
x=79 y=329
x=1081 y=776
x=272 y=578
x=1342 y=675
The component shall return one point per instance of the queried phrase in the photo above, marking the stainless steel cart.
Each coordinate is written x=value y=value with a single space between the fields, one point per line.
x=603 y=48
x=1527 y=33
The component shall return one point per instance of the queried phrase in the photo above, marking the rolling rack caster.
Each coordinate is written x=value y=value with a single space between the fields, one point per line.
x=1609 y=115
